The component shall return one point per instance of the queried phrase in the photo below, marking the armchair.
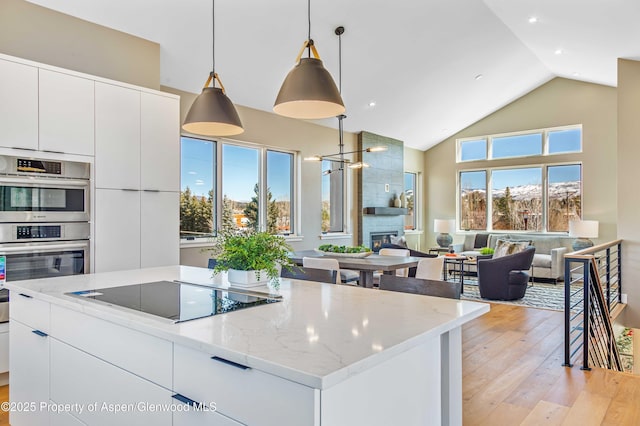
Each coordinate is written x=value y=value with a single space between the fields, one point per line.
x=505 y=278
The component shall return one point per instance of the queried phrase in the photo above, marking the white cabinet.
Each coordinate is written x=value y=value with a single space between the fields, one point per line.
x=117 y=163
x=66 y=113
x=29 y=377
x=4 y=347
x=18 y=105
x=233 y=388
x=194 y=417
x=160 y=143
x=136 y=229
x=64 y=419
x=117 y=230
x=159 y=229
x=79 y=378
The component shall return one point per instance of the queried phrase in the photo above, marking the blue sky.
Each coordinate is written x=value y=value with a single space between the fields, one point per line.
x=522 y=145
x=240 y=171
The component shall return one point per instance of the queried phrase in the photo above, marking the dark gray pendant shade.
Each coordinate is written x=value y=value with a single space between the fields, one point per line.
x=309 y=92
x=213 y=114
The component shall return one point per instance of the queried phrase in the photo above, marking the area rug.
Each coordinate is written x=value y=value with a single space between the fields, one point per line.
x=542 y=296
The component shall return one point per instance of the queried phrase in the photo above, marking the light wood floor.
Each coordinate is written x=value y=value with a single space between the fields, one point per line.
x=512 y=375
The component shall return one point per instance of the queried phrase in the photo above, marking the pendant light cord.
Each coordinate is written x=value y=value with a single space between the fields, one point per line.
x=309 y=27
x=213 y=38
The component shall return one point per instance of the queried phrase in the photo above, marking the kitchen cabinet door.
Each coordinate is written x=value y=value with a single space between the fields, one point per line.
x=117 y=230
x=29 y=377
x=66 y=112
x=18 y=105
x=160 y=229
x=117 y=137
x=80 y=378
x=160 y=143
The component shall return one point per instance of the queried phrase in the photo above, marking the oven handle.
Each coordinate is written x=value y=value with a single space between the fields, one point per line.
x=43 y=248
x=53 y=182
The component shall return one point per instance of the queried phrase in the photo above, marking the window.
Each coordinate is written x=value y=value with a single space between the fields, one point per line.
x=255 y=183
x=197 y=198
x=542 y=142
x=517 y=146
x=472 y=150
x=518 y=199
x=279 y=192
x=516 y=196
x=240 y=188
x=410 y=189
x=332 y=196
x=563 y=141
x=564 y=199
x=473 y=200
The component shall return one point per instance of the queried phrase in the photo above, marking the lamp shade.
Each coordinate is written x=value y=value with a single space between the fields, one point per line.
x=309 y=92
x=444 y=226
x=583 y=228
x=213 y=114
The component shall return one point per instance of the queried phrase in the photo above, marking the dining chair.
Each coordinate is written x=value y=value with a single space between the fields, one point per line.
x=310 y=274
x=403 y=272
x=323 y=263
x=430 y=268
x=437 y=288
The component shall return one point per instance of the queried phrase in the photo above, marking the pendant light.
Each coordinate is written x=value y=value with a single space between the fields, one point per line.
x=339 y=156
x=308 y=91
x=213 y=113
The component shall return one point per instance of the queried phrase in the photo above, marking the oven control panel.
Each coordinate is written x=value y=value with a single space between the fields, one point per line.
x=38 y=166
x=34 y=232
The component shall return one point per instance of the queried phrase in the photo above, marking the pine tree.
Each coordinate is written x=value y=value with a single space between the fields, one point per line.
x=251 y=212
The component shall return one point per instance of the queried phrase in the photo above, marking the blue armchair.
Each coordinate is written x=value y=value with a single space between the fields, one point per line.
x=506 y=277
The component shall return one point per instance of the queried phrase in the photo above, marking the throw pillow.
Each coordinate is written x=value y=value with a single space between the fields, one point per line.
x=399 y=241
x=505 y=247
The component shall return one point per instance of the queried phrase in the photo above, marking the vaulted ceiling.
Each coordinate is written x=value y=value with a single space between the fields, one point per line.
x=432 y=67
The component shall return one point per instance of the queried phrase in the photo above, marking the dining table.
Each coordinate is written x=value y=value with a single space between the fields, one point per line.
x=365 y=265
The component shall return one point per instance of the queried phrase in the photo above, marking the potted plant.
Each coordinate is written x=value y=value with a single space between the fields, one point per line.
x=251 y=258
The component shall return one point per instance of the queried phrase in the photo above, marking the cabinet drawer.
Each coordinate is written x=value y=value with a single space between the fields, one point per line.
x=201 y=418
x=272 y=400
x=79 y=378
x=64 y=419
x=4 y=352
x=139 y=353
x=29 y=311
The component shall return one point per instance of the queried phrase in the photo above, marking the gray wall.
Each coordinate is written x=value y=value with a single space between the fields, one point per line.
x=628 y=178
x=33 y=32
x=556 y=103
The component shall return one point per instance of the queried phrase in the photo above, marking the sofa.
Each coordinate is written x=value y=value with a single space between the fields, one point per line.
x=548 y=261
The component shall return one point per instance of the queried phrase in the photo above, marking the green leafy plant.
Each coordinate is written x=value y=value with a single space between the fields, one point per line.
x=486 y=251
x=251 y=251
x=330 y=248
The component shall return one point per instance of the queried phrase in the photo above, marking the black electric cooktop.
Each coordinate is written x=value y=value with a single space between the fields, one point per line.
x=175 y=300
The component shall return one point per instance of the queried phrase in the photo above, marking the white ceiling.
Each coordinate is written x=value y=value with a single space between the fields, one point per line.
x=416 y=59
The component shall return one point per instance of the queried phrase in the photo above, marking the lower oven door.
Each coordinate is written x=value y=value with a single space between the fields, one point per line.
x=26 y=261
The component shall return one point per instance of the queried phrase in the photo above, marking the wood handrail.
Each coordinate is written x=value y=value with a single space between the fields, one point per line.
x=588 y=252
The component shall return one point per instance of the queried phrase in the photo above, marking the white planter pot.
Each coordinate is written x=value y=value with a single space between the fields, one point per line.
x=246 y=279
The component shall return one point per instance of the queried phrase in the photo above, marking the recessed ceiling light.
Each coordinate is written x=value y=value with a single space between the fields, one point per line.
x=372 y=104
x=576 y=74
x=558 y=52
x=533 y=20
x=478 y=77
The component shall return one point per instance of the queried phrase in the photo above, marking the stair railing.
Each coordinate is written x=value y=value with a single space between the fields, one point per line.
x=593 y=291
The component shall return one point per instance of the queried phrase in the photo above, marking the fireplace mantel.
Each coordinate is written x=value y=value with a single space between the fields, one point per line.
x=385 y=211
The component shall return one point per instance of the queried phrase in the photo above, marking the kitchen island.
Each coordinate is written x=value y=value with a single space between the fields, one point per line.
x=324 y=355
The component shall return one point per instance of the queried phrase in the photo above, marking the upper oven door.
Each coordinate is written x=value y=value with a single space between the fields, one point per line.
x=25 y=199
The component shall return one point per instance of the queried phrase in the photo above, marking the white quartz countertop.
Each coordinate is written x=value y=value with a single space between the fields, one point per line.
x=319 y=335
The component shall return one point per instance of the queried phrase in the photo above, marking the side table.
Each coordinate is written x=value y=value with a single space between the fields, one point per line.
x=438 y=250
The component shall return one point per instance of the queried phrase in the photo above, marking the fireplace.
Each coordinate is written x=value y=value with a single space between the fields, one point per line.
x=379 y=238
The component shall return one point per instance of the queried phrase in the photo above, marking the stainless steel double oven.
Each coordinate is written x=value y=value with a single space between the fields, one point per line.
x=44 y=219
